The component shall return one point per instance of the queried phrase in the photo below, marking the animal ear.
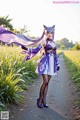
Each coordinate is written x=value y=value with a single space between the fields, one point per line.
x=45 y=26
x=53 y=26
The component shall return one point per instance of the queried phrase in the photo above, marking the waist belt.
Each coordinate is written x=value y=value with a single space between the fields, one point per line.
x=50 y=51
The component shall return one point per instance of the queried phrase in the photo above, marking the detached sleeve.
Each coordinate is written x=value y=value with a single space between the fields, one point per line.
x=31 y=52
x=56 y=61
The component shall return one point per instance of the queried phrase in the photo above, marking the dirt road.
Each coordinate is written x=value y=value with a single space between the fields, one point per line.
x=59 y=99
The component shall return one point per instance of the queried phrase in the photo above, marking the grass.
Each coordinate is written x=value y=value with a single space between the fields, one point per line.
x=15 y=75
x=72 y=59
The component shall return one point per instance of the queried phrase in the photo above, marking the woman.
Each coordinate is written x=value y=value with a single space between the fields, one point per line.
x=48 y=65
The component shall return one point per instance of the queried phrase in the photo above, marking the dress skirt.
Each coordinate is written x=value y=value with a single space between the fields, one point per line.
x=50 y=65
x=49 y=69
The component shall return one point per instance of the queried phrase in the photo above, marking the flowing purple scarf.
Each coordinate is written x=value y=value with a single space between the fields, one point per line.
x=9 y=37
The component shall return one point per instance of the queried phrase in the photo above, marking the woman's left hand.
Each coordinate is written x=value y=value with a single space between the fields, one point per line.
x=58 y=68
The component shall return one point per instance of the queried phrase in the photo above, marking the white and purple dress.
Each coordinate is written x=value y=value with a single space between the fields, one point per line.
x=49 y=61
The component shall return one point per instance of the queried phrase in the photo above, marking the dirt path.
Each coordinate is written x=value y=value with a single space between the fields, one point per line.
x=59 y=99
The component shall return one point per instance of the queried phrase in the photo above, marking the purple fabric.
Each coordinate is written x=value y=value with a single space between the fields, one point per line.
x=9 y=37
x=42 y=66
x=31 y=52
x=28 y=39
x=55 y=62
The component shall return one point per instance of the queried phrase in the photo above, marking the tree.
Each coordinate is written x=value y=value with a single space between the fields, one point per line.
x=64 y=42
x=76 y=47
x=5 y=21
x=24 y=29
x=62 y=47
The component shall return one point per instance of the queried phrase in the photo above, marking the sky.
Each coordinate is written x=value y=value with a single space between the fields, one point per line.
x=64 y=14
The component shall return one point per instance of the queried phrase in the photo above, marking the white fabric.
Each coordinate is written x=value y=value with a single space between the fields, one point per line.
x=50 y=66
x=50 y=63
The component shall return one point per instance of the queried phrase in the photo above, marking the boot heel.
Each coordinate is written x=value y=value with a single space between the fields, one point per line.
x=39 y=104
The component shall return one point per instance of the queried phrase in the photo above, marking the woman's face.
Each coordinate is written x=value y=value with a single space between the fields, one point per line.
x=49 y=35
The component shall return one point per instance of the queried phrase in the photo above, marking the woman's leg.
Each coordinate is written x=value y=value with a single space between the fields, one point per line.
x=43 y=86
x=46 y=89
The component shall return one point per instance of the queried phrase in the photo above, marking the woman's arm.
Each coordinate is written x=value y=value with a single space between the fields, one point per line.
x=42 y=51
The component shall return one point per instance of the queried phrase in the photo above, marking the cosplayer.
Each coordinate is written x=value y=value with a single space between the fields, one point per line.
x=47 y=65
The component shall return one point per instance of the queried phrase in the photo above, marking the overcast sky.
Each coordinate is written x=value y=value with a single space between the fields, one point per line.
x=35 y=13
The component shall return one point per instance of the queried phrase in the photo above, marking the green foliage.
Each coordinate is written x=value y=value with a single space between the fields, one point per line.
x=15 y=75
x=62 y=47
x=2 y=106
x=5 y=21
x=64 y=44
x=73 y=65
x=9 y=88
x=76 y=47
x=24 y=29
